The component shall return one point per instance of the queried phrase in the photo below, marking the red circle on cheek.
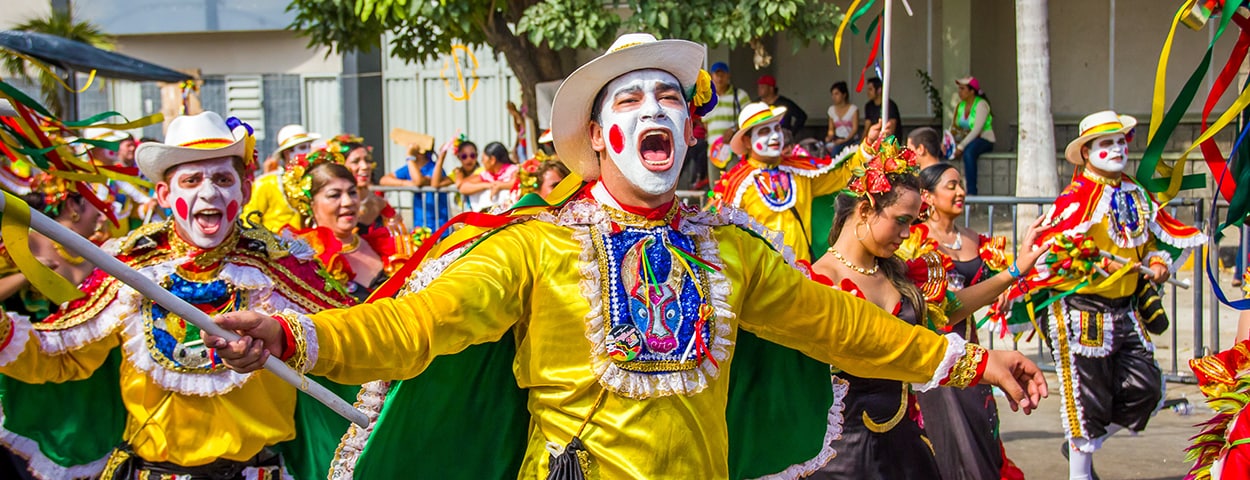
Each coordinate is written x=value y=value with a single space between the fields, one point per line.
x=1102 y=154
x=232 y=210
x=181 y=206
x=616 y=139
x=759 y=145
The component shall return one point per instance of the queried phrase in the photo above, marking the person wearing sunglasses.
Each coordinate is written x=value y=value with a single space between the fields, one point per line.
x=493 y=182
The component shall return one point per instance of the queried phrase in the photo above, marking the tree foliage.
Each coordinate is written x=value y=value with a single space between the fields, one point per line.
x=533 y=35
x=61 y=24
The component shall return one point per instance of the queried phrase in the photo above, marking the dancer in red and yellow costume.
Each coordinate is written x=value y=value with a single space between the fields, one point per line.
x=774 y=188
x=616 y=309
x=266 y=198
x=185 y=413
x=1098 y=326
x=1221 y=451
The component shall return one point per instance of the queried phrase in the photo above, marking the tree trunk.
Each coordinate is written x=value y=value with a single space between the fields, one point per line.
x=1036 y=141
x=532 y=64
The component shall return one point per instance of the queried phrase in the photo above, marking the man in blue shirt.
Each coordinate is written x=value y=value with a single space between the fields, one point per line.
x=428 y=209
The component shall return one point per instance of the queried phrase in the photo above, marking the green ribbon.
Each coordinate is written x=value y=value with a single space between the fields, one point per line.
x=859 y=13
x=33 y=105
x=1154 y=150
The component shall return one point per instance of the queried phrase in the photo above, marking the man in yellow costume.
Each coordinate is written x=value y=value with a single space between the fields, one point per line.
x=774 y=188
x=268 y=200
x=621 y=305
x=186 y=414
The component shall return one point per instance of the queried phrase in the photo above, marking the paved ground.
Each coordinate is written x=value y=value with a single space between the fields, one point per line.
x=1032 y=441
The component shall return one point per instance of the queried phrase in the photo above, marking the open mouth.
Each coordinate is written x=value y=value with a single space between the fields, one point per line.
x=209 y=220
x=656 y=148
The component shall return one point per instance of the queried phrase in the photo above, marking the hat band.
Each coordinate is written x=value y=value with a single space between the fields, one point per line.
x=627 y=45
x=760 y=117
x=1108 y=127
x=209 y=143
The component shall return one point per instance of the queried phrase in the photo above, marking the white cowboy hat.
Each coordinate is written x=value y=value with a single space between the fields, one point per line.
x=191 y=138
x=105 y=134
x=1096 y=125
x=292 y=135
x=570 y=110
x=751 y=116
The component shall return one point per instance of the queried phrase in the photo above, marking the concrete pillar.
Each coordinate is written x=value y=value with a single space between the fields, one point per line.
x=361 y=82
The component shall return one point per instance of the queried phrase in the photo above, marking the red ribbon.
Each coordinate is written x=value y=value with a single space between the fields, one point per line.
x=1210 y=151
x=872 y=57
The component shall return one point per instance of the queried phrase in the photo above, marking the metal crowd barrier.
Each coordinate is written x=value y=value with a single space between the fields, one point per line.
x=991 y=215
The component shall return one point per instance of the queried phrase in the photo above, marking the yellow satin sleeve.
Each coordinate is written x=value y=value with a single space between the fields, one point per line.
x=528 y=277
x=162 y=426
x=1122 y=287
x=268 y=199
x=782 y=306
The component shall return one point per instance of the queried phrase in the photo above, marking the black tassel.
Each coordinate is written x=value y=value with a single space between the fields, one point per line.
x=567 y=464
x=1150 y=307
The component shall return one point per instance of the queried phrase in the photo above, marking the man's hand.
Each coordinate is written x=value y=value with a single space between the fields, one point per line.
x=1019 y=378
x=260 y=337
x=1159 y=273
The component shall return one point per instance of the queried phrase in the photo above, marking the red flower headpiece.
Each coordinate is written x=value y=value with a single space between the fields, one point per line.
x=887 y=157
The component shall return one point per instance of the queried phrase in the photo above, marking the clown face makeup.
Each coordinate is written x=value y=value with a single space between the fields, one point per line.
x=767 y=141
x=206 y=197
x=644 y=120
x=293 y=152
x=1109 y=154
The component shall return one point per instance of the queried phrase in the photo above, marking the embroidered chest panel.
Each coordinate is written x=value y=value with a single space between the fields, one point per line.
x=176 y=344
x=656 y=318
x=1128 y=216
x=776 y=187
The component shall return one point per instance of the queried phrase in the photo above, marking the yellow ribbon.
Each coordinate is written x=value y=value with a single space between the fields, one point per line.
x=1156 y=103
x=837 y=39
x=1174 y=182
x=15 y=230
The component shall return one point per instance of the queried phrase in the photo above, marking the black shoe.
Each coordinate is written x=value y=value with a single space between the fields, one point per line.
x=1063 y=450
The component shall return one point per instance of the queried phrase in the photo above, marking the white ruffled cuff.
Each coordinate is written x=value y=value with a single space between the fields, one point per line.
x=16 y=331
x=955 y=349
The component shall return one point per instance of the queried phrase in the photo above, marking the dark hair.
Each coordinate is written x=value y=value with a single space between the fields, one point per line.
x=932 y=174
x=894 y=269
x=929 y=138
x=841 y=87
x=498 y=152
x=39 y=202
x=466 y=143
x=550 y=165
x=350 y=147
x=875 y=82
x=322 y=173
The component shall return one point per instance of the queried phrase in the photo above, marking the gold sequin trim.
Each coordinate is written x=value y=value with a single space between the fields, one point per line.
x=99 y=300
x=149 y=323
x=622 y=217
x=893 y=421
x=279 y=283
x=1066 y=372
x=965 y=370
x=299 y=360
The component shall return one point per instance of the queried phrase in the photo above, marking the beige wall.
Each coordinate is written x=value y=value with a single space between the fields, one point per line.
x=13 y=12
x=232 y=53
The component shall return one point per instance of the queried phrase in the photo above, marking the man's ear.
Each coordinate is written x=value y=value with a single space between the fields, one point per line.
x=596 y=137
x=1085 y=152
x=690 y=141
x=162 y=195
x=246 y=185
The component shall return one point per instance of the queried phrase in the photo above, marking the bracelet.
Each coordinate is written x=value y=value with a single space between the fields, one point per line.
x=969 y=369
x=1014 y=271
x=1158 y=261
x=410 y=158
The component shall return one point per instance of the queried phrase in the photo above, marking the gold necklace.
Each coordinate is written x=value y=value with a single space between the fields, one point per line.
x=73 y=260
x=867 y=272
x=351 y=246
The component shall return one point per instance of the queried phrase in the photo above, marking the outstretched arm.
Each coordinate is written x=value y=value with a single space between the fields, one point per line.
x=476 y=300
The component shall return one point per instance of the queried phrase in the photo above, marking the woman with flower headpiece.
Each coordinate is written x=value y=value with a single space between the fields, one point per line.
x=882 y=435
x=963 y=424
x=375 y=211
x=325 y=194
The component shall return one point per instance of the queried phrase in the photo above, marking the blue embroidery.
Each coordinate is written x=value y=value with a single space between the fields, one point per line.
x=776 y=187
x=653 y=317
x=177 y=344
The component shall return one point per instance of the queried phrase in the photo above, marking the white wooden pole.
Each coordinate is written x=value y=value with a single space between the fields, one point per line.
x=1142 y=269
x=885 y=64
x=145 y=286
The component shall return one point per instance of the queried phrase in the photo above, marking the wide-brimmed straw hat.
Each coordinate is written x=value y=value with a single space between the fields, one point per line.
x=570 y=111
x=292 y=135
x=191 y=138
x=751 y=116
x=1096 y=125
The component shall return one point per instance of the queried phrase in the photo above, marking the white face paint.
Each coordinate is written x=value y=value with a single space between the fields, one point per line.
x=206 y=197
x=1109 y=153
x=296 y=151
x=767 y=141
x=644 y=117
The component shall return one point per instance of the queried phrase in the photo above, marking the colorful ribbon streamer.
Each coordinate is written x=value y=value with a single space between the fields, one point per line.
x=15 y=231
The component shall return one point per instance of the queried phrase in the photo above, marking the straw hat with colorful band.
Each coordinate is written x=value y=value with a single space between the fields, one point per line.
x=1096 y=125
x=292 y=135
x=751 y=116
x=191 y=138
x=570 y=111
